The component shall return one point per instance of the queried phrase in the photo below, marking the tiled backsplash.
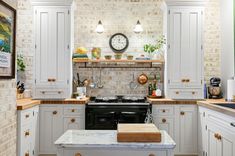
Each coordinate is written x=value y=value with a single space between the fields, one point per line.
x=116 y=80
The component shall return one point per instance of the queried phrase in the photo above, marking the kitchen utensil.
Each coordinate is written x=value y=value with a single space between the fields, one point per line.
x=142 y=79
x=92 y=84
x=118 y=56
x=108 y=57
x=85 y=82
x=130 y=57
x=138 y=133
x=99 y=84
x=132 y=84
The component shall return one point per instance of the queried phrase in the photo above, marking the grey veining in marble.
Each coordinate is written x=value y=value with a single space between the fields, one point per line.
x=107 y=139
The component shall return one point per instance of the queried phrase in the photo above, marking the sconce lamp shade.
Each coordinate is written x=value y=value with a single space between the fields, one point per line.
x=138 y=28
x=100 y=28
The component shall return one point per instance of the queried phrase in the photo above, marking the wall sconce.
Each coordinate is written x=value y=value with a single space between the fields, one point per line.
x=100 y=27
x=138 y=28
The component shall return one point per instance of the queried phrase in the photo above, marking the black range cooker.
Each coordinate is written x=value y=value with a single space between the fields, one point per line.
x=104 y=113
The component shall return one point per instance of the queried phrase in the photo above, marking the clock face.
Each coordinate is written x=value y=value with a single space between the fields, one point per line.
x=119 y=42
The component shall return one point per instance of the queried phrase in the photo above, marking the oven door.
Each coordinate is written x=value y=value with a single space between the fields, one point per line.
x=132 y=116
x=100 y=119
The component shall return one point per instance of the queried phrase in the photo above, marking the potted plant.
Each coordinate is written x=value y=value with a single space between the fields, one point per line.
x=151 y=49
x=20 y=67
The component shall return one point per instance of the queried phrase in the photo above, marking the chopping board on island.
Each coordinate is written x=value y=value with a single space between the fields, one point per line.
x=138 y=133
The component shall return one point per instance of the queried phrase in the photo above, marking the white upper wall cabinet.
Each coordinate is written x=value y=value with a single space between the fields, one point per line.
x=51 y=2
x=185 y=52
x=52 y=52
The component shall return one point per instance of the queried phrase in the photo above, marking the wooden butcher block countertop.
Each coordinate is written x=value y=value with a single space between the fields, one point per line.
x=23 y=104
x=170 y=101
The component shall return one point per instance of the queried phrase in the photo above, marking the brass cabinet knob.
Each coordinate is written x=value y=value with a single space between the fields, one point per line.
x=163 y=110
x=152 y=154
x=73 y=120
x=182 y=113
x=43 y=92
x=26 y=154
x=183 y=80
x=78 y=154
x=73 y=110
x=164 y=120
x=177 y=92
x=54 y=112
x=59 y=92
x=193 y=93
x=219 y=137
x=27 y=116
x=53 y=80
x=216 y=135
x=187 y=80
x=26 y=133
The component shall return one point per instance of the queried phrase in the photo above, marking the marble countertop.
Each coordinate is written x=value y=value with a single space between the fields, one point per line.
x=96 y=139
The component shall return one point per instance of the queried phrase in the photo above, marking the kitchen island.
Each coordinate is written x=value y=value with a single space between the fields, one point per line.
x=104 y=143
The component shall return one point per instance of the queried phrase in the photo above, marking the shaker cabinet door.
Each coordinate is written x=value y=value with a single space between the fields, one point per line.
x=51 y=128
x=52 y=46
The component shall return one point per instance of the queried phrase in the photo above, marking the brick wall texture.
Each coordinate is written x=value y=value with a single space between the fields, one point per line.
x=8 y=112
x=119 y=16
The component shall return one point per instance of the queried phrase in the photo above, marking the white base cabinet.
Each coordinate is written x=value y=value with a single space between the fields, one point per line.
x=218 y=134
x=28 y=130
x=180 y=121
x=55 y=120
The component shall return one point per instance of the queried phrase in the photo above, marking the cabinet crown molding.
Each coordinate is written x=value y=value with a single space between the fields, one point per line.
x=186 y=2
x=51 y=2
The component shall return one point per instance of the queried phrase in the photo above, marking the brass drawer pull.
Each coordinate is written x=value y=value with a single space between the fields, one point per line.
x=187 y=80
x=77 y=154
x=54 y=112
x=26 y=154
x=59 y=92
x=152 y=154
x=176 y=92
x=26 y=133
x=73 y=110
x=163 y=120
x=73 y=120
x=219 y=137
x=193 y=93
x=27 y=116
x=183 y=80
x=43 y=92
x=216 y=135
x=182 y=113
x=163 y=110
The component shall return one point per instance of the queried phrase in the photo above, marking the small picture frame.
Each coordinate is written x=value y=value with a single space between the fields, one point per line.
x=7 y=41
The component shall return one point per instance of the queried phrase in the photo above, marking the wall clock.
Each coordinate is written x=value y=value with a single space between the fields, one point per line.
x=118 y=42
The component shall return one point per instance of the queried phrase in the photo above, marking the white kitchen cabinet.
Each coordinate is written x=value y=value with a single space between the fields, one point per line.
x=219 y=134
x=51 y=127
x=188 y=129
x=201 y=132
x=185 y=52
x=27 y=143
x=55 y=120
x=52 y=52
x=180 y=121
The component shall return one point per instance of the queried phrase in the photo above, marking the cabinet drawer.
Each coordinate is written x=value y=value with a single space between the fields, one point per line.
x=163 y=110
x=74 y=110
x=50 y=93
x=221 y=120
x=26 y=116
x=74 y=123
x=186 y=93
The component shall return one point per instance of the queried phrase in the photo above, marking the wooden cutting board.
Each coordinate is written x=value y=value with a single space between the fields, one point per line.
x=138 y=133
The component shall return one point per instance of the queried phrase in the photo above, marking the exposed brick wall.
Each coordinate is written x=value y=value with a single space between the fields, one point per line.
x=120 y=16
x=212 y=49
x=8 y=112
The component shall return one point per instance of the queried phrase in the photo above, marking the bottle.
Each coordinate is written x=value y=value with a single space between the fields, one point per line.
x=150 y=89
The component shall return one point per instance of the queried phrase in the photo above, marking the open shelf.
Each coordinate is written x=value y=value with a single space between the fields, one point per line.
x=117 y=61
